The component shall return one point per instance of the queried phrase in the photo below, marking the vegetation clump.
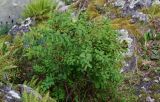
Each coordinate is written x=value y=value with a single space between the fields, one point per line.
x=80 y=60
x=77 y=61
x=38 y=9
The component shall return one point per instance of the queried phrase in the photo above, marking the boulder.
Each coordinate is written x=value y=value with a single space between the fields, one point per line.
x=11 y=10
x=10 y=94
x=23 y=27
x=131 y=63
x=7 y=94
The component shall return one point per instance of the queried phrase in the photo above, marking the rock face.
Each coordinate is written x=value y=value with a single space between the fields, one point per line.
x=10 y=10
x=131 y=63
x=130 y=8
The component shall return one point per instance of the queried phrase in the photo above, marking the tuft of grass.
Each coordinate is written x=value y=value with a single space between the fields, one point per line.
x=152 y=11
x=38 y=8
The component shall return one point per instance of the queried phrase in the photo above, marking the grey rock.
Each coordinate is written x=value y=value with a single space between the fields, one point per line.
x=140 y=16
x=7 y=94
x=146 y=79
x=23 y=27
x=156 y=2
x=131 y=63
x=11 y=10
x=119 y=3
x=130 y=7
x=149 y=99
x=125 y=37
x=10 y=94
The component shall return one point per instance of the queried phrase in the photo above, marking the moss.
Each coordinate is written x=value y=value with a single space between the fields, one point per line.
x=156 y=96
x=128 y=93
x=92 y=11
x=124 y=23
x=152 y=11
x=99 y=2
x=155 y=87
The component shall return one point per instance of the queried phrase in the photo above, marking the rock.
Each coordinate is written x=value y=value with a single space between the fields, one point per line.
x=144 y=89
x=119 y=3
x=130 y=7
x=61 y=6
x=146 y=79
x=11 y=10
x=156 y=2
x=7 y=94
x=63 y=9
x=133 y=21
x=133 y=4
x=149 y=99
x=21 y=28
x=157 y=81
x=131 y=63
x=124 y=37
x=140 y=16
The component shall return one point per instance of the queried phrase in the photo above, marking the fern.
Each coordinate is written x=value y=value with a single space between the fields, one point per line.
x=6 y=60
x=32 y=98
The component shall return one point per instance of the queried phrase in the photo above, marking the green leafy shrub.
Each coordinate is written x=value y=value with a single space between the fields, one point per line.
x=38 y=8
x=76 y=61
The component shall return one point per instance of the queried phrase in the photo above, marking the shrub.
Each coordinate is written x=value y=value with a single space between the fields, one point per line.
x=76 y=61
x=38 y=8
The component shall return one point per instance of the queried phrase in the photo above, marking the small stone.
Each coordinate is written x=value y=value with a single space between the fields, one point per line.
x=63 y=9
x=156 y=2
x=140 y=95
x=146 y=79
x=21 y=28
x=144 y=88
x=14 y=94
x=132 y=21
x=140 y=16
x=119 y=3
x=156 y=81
x=149 y=99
